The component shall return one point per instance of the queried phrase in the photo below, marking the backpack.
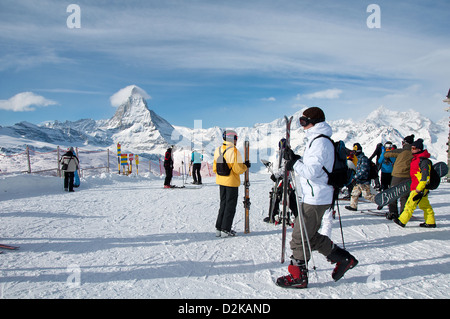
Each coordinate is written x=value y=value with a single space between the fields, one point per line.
x=435 y=179
x=222 y=167
x=340 y=174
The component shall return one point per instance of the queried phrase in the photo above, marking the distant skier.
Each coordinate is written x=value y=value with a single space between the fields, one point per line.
x=168 y=166
x=317 y=198
x=228 y=165
x=420 y=176
x=70 y=163
x=196 y=161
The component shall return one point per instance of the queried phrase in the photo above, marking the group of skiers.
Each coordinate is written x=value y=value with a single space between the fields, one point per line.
x=317 y=195
x=409 y=163
x=311 y=227
x=195 y=164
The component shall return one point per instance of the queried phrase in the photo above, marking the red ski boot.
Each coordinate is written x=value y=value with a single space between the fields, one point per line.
x=344 y=261
x=297 y=278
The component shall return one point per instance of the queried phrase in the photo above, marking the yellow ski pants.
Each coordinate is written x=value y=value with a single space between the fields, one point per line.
x=411 y=205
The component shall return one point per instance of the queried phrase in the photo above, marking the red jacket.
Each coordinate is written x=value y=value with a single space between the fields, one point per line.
x=420 y=169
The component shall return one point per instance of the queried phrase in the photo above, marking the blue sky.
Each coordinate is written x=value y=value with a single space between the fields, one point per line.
x=228 y=63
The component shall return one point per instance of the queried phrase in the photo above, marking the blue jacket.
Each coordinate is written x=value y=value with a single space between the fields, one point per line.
x=196 y=158
x=387 y=164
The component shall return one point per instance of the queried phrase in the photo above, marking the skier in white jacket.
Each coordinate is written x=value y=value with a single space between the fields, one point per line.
x=317 y=199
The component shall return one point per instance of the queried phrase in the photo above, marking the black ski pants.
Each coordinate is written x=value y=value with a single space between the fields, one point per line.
x=227 y=210
x=168 y=178
x=68 y=180
x=196 y=173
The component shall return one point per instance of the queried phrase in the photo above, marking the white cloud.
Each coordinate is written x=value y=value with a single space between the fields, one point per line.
x=269 y=99
x=122 y=95
x=24 y=101
x=330 y=94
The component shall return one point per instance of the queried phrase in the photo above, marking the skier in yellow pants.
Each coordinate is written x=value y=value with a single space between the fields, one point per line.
x=420 y=177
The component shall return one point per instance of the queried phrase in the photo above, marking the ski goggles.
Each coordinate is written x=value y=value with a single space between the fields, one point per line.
x=305 y=121
x=230 y=135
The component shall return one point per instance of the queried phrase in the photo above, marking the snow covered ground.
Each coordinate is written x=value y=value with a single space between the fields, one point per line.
x=127 y=237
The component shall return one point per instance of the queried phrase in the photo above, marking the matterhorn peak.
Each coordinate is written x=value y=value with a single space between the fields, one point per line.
x=134 y=124
x=131 y=107
x=123 y=95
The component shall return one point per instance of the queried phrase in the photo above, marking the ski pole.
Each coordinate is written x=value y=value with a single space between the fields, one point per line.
x=340 y=223
x=302 y=225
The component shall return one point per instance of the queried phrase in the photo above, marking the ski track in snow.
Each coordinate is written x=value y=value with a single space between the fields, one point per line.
x=126 y=237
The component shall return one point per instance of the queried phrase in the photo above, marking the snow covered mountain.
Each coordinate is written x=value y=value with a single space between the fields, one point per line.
x=140 y=130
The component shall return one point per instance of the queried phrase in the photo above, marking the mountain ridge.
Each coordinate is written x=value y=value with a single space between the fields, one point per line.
x=141 y=130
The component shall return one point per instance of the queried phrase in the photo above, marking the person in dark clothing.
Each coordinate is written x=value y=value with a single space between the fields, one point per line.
x=361 y=179
x=168 y=166
x=387 y=164
x=400 y=173
x=196 y=161
x=377 y=154
x=70 y=163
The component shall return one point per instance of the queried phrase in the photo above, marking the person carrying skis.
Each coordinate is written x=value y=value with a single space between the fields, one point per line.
x=168 y=166
x=196 y=161
x=277 y=177
x=361 y=179
x=400 y=172
x=317 y=198
x=228 y=165
x=70 y=163
x=420 y=177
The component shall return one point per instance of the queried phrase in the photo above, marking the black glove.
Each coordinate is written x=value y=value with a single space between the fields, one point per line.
x=291 y=158
x=273 y=178
x=418 y=196
x=247 y=163
x=290 y=164
x=290 y=155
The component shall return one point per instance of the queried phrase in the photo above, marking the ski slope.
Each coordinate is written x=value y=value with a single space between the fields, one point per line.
x=127 y=237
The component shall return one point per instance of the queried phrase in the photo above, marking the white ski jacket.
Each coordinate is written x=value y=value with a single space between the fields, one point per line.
x=313 y=179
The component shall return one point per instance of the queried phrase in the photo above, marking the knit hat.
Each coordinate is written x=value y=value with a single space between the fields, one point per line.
x=409 y=139
x=418 y=144
x=314 y=113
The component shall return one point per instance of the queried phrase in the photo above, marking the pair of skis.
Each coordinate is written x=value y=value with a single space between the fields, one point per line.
x=304 y=234
x=285 y=192
x=247 y=189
